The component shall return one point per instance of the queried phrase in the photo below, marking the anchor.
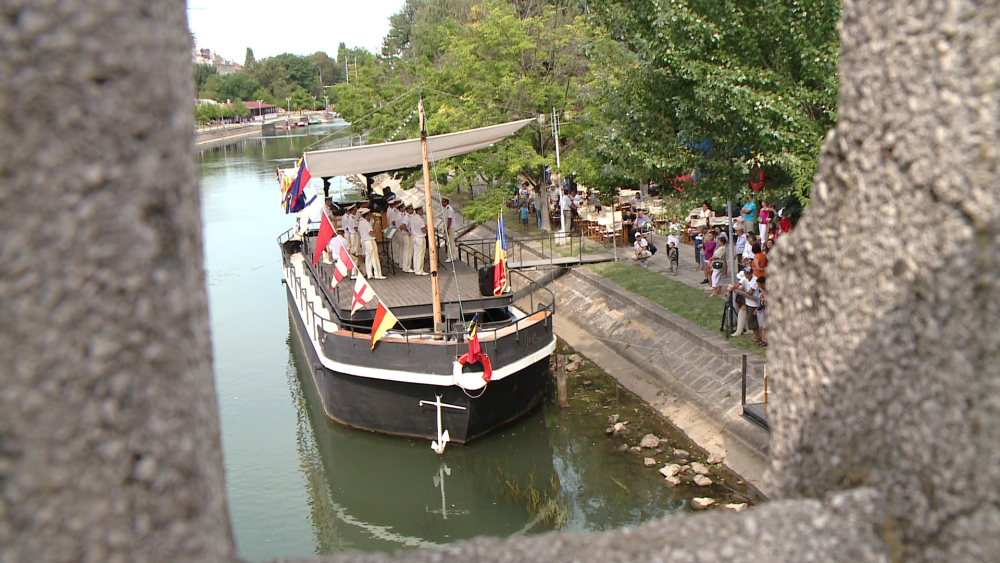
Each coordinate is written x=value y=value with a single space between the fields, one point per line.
x=442 y=437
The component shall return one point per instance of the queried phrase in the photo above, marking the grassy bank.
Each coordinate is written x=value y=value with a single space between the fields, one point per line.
x=681 y=299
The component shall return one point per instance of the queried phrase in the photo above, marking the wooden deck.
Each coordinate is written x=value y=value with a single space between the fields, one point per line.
x=409 y=295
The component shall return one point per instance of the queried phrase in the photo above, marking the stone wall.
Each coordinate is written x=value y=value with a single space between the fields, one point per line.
x=884 y=302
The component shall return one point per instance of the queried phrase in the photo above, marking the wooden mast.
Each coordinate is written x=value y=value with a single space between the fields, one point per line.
x=429 y=210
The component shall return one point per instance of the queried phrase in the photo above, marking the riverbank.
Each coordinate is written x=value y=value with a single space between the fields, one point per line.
x=691 y=376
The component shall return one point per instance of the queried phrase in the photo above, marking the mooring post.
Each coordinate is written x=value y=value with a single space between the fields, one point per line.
x=743 y=402
x=561 y=380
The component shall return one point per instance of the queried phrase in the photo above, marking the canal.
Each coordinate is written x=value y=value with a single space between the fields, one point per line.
x=298 y=484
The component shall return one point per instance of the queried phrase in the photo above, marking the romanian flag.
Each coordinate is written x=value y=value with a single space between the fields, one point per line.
x=500 y=260
x=345 y=264
x=475 y=354
x=363 y=293
x=384 y=320
x=323 y=239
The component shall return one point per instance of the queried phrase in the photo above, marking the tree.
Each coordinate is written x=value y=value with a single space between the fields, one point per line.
x=249 y=62
x=724 y=88
x=329 y=71
x=202 y=72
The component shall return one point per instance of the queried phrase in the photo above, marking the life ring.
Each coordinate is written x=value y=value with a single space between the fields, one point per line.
x=472 y=380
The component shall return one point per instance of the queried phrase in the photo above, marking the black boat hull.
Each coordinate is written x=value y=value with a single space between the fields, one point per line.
x=393 y=407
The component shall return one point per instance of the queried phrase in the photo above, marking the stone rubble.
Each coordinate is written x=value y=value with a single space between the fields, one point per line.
x=649 y=462
x=701 y=503
x=702 y=481
x=649 y=441
x=735 y=507
x=699 y=468
x=670 y=470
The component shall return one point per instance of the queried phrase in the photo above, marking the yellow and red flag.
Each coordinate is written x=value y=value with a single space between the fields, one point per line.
x=500 y=260
x=384 y=320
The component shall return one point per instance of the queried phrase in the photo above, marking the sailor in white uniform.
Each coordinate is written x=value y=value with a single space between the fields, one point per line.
x=406 y=257
x=418 y=227
x=373 y=268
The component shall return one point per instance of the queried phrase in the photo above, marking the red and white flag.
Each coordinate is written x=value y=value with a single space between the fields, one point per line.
x=363 y=293
x=345 y=265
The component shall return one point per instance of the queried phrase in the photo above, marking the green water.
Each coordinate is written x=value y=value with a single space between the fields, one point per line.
x=298 y=484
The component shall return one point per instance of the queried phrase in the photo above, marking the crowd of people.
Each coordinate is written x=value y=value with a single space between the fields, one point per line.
x=405 y=227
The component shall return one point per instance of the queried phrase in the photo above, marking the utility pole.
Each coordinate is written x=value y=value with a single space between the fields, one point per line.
x=555 y=133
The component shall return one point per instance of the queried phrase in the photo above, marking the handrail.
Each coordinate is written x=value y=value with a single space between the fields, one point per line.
x=408 y=335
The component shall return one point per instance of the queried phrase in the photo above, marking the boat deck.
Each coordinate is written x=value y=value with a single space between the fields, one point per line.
x=409 y=295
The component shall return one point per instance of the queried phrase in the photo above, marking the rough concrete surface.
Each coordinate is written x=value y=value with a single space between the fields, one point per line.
x=885 y=302
x=109 y=435
x=885 y=356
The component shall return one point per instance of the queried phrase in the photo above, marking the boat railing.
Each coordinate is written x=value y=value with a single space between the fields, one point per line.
x=541 y=247
x=478 y=253
x=541 y=299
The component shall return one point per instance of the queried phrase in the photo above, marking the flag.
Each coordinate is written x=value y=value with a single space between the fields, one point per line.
x=384 y=320
x=475 y=354
x=363 y=293
x=323 y=239
x=294 y=194
x=344 y=266
x=500 y=260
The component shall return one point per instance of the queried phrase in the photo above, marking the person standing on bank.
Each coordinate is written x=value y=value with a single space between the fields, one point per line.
x=749 y=212
x=373 y=268
x=449 y=224
x=406 y=257
x=418 y=226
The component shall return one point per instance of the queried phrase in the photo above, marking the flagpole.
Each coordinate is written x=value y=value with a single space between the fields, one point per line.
x=432 y=240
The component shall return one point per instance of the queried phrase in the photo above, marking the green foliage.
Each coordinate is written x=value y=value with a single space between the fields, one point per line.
x=202 y=72
x=486 y=206
x=266 y=97
x=756 y=79
x=249 y=62
x=233 y=86
x=207 y=112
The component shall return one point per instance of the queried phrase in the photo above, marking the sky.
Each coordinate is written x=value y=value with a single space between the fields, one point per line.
x=300 y=27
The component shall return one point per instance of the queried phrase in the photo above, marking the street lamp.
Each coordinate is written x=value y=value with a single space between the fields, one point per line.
x=289 y=100
x=260 y=109
x=327 y=98
x=314 y=103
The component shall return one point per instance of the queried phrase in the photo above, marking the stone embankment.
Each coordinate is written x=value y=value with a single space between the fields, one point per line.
x=219 y=137
x=690 y=376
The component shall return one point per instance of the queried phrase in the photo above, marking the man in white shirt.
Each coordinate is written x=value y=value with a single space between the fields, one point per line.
x=449 y=223
x=642 y=252
x=565 y=206
x=419 y=244
x=395 y=243
x=373 y=268
x=406 y=257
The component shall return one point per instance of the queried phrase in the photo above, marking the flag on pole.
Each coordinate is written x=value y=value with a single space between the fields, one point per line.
x=363 y=293
x=323 y=238
x=384 y=320
x=345 y=265
x=475 y=355
x=294 y=195
x=500 y=260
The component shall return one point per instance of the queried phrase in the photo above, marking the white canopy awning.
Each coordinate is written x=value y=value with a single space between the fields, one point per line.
x=382 y=157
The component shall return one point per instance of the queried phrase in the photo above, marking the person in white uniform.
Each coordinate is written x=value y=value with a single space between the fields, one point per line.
x=394 y=216
x=418 y=228
x=350 y=222
x=373 y=268
x=449 y=224
x=406 y=257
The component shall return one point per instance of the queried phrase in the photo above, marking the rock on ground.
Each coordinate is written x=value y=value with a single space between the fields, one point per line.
x=735 y=506
x=649 y=462
x=702 y=481
x=649 y=441
x=701 y=503
x=672 y=480
x=670 y=470
x=699 y=468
